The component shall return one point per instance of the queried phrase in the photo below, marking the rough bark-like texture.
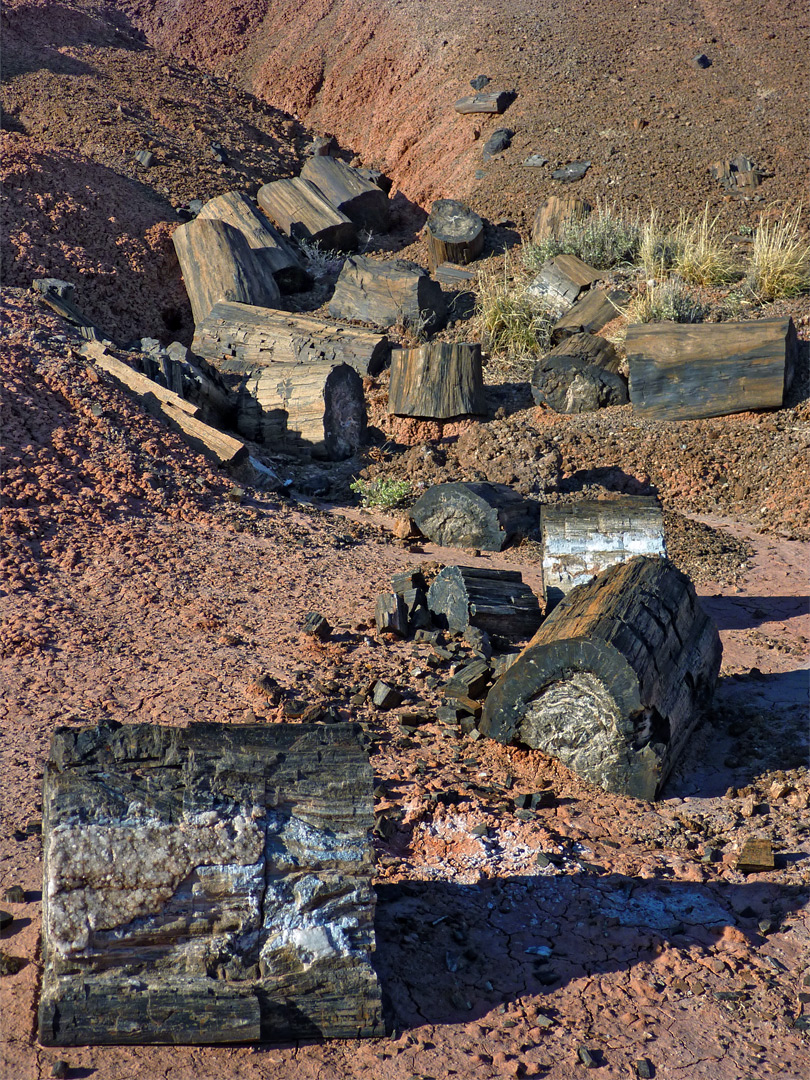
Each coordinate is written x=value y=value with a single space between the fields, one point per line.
x=493 y=600
x=302 y=211
x=439 y=381
x=615 y=680
x=491 y=101
x=278 y=255
x=580 y=375
x=239 y=337
x=686 y=372
x=485 y=516
x=207 y=884
x=554 y=212
x=388 y=292
x=454 y=233
x=562 y=279
x=582 y=539
x=590 y=313
x=360 y=199
x=217 y=263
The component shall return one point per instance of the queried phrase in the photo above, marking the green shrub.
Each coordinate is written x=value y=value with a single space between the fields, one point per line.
x=606 y=238
x=385 y=493
x=668 y=301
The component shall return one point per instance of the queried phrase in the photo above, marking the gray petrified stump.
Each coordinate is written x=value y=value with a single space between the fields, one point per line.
x=208 y=884
x=615 y=680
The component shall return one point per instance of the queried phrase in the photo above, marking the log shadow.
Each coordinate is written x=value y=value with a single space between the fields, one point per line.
x=450 y=953
x=498 y=239
x=407 y=221
x=612 y=478
x=799 y=388
x=748 y=612
x=511 y=397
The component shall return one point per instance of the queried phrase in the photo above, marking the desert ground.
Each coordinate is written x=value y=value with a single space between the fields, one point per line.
x=142 y=584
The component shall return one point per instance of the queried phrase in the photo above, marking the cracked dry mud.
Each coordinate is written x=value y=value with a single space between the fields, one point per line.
x=135 y=587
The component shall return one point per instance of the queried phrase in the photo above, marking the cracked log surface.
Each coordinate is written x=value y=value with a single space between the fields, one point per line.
x=209 y=884
x=615 y=680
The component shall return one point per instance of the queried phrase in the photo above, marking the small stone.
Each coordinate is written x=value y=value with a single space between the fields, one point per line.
x=766 y=926
x=294 y=708
x=778 y=790
x=145 y=158
x=385 y=696
x=586 y=1058
x=498 y=141
x=535 y=161
x=709 y=855
x=756 y=855
x=10 y=965
x=315 y=625
x=60 y=1069
x=644 y=1069
x=479 y=174
x=6 y=919
x=702 y=61
x=479 y=830
x=543 y=1021
x=14 y=895
x=572 y=172
x=748 y=807
x=479 y=82
x=219 y=153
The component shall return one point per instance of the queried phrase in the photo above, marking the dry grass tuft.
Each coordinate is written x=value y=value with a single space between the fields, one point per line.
x=509 y=320
x=780 y=259
x=701 y=255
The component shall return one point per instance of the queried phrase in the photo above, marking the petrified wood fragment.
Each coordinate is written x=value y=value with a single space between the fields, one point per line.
x=439 y=380
x=302 y=211
x=478 y=515
x=207 y=884
x=496 y=601
x=349 y=191
x=554 y=213
x=615 y=680
x=562 y=279
x=579 y=375
x=595 y=309
x=454 y=233
x=388 y=292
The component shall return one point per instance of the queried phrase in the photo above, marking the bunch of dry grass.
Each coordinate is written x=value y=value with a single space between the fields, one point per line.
x=509 y=320
x=780 y=259
x=701 y=254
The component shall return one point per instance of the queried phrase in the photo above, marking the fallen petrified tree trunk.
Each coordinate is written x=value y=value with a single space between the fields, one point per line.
x=554 y=213
x=615 y=680
x=217 y=263
x=278 y=255
x=438 y=381
x=388 y=292
x=208 y=884
x=493 y=600
x=237 y=337
x=302 y=211
x=485 y=516
x=687 y=372
x=360 y=199
x=582 y=539
x=581 y=374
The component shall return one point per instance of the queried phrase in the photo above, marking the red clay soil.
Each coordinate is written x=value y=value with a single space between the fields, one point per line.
x=136 y=583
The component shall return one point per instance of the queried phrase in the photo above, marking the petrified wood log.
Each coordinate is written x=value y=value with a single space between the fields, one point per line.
x=388 y=292
x=615 y=680
x=590 y=313
x=278 y=255
x=582 y=539
x=562 y=279
x=360 y=199
x=554 y=213
x=454 y=233
x=240 y=337
x=581 y=374
x=687 y=372
x=318 y=408
x=474 y=515
x=302 y=211
x=438 y=381
x=493 y=600
x=207 y=884
x=217 y=263
x=493 y=101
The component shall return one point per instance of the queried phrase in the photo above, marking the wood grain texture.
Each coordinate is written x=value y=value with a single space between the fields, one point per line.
x=217 y=263
x=302 y=211
x=388 y=292
x=496 y=601
x=439 y=380
x=590 y=313
x=688 y=372
x=615 y=680
x=277 y=254
x=454 y=233
x=554 y=212
x=474 y=515
x=359 y=198
x=491 y=101
x=208 y=884
x=581 y=539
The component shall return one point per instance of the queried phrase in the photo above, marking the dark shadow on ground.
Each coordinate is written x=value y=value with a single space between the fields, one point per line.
x=799 y=388
x=747 y=612
x=611 y=478
x=450 y=952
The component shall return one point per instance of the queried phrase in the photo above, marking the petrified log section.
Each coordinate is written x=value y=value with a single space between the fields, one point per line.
x=493 y=600
x=687 y=372
x=388 y=292
x=360 y=199
x=273 y=251
x=615 y=680
x=552 y=214
x=217 y=263
x=562 y=279
x=582 y=539
x=303 y=212
x=238 y=337
x=492 y=101
x=454 y=233
x=485 y=516
x=208 y=884
x=439 y=381
x=592 y=311
x=581 y=374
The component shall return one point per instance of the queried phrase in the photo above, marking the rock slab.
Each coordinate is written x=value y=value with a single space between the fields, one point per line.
x=208 y=884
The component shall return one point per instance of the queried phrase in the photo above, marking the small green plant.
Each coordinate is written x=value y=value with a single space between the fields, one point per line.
x=510 y=321
x=384 y=493
x=606 y=238
x=700 y=255
x=780 y=259
x=668 y=301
